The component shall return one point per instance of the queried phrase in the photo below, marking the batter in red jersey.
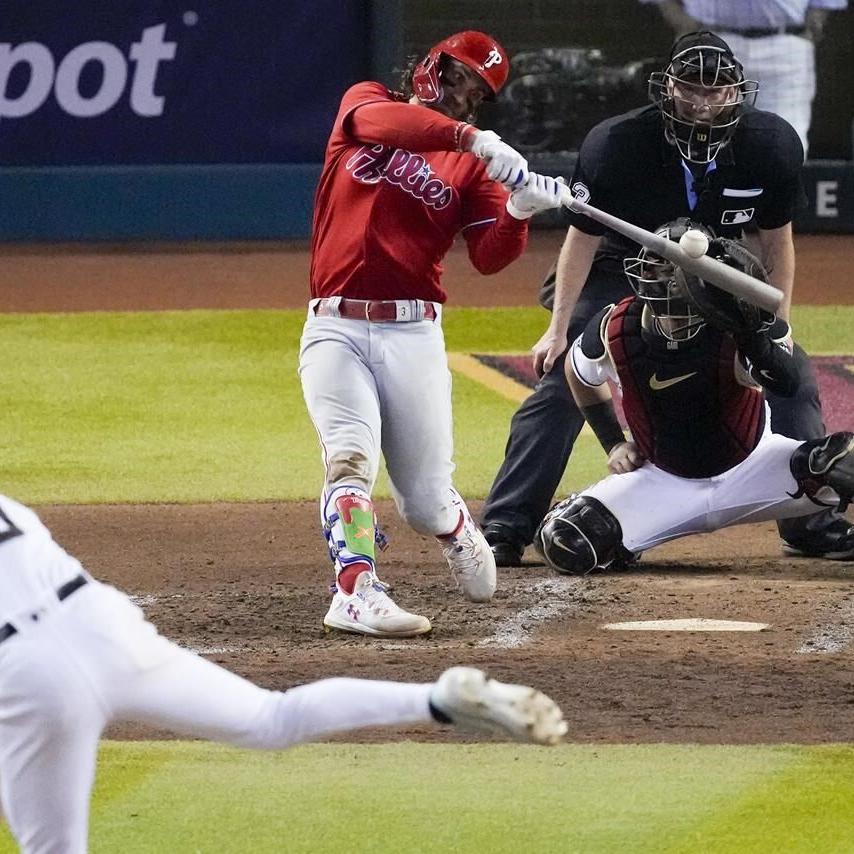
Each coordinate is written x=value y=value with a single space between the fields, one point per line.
x=405 y=174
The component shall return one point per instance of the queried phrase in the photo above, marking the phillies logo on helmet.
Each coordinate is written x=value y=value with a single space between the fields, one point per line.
x=494 y=58
x=467 y=47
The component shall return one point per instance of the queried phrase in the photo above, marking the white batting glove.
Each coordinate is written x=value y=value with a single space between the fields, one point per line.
x=541 y=193
x=503 y=162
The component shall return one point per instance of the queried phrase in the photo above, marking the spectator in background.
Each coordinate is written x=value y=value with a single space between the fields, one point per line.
x=775 y=41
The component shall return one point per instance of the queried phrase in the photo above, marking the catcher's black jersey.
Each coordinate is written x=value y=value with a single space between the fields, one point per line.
x=685 y=407
x=627 y=168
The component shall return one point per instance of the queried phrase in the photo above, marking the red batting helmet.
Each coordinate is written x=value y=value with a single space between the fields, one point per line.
x=480 y=52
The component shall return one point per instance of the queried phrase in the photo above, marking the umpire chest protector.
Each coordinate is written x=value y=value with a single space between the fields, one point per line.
x=686 y=411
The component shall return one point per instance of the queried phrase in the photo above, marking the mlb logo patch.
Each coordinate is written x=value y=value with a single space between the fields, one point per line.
x=737 y=217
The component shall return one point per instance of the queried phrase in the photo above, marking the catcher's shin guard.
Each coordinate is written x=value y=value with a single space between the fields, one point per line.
x=349 y=526
x=580 y=534
x=825 y=463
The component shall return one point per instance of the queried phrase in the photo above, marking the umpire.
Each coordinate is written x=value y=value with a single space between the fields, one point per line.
x=702 y=151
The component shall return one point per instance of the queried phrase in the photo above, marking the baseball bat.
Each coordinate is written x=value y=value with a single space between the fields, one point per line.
x=709 y=269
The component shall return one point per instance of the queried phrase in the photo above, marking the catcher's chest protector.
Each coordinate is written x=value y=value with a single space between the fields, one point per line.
x=684 y=406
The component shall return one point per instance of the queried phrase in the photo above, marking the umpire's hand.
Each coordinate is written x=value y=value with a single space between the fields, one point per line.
x=547 y=350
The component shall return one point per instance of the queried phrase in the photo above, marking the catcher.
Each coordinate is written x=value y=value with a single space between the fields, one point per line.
x=691 y=362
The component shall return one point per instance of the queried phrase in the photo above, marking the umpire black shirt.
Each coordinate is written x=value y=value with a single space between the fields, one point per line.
x=627 y=168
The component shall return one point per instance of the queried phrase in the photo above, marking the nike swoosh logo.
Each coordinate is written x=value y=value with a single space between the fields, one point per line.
x=657 y=385
x=767 y=374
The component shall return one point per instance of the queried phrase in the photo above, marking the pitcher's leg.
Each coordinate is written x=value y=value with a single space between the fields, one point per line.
x=198 y=698
x=192 y=696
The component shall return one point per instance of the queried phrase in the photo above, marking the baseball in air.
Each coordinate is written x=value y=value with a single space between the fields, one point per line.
x=694 y=243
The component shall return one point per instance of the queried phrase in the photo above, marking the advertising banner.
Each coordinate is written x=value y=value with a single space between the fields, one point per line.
x=175 y=81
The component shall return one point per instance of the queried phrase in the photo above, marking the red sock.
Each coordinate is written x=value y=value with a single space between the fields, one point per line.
x=346 y=579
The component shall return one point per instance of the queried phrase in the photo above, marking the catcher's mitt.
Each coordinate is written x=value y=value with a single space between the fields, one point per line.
x=719 y=308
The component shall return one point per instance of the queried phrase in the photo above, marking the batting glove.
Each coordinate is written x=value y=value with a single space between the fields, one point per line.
x=541 y=193
x=503 y=162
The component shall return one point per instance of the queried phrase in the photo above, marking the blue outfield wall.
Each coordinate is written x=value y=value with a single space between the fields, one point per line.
x=196 y=202
x=256 y=201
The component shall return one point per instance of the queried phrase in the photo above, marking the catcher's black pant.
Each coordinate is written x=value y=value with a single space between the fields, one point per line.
x=544 y=429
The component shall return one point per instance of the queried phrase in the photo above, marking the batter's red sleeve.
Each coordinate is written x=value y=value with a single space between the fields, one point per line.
x=493 y=246
x=382 y=120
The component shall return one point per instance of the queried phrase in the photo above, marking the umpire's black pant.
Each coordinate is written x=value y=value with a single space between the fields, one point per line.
x=544 y=429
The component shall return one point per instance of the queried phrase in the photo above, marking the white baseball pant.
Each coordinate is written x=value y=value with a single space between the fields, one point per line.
x=374 y=388
x=93 y=659
x=654 y=506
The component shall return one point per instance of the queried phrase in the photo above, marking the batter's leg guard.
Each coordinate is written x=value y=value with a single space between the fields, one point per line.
x=825 y=464
x=349 y=526
x=581 y=534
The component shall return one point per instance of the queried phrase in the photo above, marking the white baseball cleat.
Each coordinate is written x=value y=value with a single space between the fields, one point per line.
x=465 y=697
x=369 y=610
x=471 y=560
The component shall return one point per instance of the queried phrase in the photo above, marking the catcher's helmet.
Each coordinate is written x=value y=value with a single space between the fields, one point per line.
x=654 y=280
x=480 y=52
x=701 y=95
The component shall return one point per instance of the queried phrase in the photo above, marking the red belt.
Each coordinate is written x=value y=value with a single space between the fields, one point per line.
x=377 y=311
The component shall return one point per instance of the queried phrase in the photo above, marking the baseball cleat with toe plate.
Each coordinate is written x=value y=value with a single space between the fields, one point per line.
x=471 y=560
x=369 y=610
x=832 y=542
x=464 y=696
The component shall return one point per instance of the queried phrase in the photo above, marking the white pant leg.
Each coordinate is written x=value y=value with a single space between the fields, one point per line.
x=50 y=723
x=145 y=677
x=194 y=697
x=784 y=65
x=411 y=367
x=341 y=395
x=654 y=506
x=760 y=488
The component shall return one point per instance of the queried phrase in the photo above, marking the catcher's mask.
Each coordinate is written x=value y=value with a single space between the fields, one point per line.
x=701 y=95
x=480 y=52
x=658 y=284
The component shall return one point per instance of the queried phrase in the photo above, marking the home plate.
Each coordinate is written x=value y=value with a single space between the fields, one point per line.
x=690 y=625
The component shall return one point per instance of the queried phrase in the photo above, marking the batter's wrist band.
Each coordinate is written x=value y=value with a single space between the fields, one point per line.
x=464 y=136
x=603 y=422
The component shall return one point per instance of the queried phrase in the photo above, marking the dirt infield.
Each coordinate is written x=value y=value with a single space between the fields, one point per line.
x=226 y=580
x=118 y=278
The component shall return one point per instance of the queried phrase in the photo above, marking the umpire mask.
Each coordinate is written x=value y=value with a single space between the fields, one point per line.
x=701 y=95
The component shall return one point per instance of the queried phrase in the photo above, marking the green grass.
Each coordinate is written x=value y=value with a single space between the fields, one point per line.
x=206 y=406
x=189 y=796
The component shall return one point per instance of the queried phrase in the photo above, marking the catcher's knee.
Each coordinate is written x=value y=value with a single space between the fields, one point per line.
x=580 y=534
x=825 y=464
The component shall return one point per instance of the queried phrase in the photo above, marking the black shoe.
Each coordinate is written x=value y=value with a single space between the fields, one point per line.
x=507 y=552
x=833 y=542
